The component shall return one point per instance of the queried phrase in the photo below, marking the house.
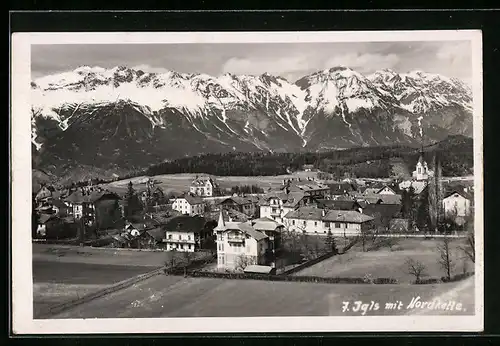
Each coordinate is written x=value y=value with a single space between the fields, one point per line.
x=239 y=244
x=186 y=233
x=204 y=187
x=44 y=193
x=422 y=171
x=308 y=168
x=338 y=204
x=152 y=238
x=135 y=229
x=60 y=207
x=277 y=204
x=383 y=213
x=272 y=229
x=97 y=207
x=244 y=205
x=258 y=269
x=189 y=205
x=417 y=186
x=308 y=188
x=386 y=190
x=341 y=189
x=457 y=203
x=54 y=227
x=314 y=220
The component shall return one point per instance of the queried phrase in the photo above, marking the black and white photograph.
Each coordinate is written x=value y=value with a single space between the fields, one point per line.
x=247 y=182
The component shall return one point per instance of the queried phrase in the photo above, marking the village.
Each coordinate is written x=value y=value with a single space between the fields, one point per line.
x=266 y=232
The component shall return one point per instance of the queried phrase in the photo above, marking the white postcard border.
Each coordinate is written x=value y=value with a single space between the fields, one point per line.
x=22 y=290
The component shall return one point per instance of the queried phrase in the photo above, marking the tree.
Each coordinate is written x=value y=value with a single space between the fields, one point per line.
x=171 y=259
x=469 y=249
x=34 y=218
x=133 y=202
x=415 y=268
x=330 y=242
x=187 y=257
x=243 y=261
x=423 y=218
x=445 y=257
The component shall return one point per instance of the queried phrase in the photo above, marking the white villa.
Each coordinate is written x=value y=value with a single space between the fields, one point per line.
x=276 y=205
x=203 y=186
x=239 y=244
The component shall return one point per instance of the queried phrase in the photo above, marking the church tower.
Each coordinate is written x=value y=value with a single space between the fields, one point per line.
x=422 y=171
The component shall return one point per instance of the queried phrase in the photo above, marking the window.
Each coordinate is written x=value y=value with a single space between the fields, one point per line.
x=180 y=237
x=182 y=246
x=293 y=222
x=169 y=236
x=189 y=246
x=304 y=223
x=189 y=237
x=337 y=224
x=315 y=223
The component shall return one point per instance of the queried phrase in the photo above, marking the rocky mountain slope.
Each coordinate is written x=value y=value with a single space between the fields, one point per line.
x=121 y=118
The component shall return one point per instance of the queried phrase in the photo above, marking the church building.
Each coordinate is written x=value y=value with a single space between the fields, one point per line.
x=422 y=171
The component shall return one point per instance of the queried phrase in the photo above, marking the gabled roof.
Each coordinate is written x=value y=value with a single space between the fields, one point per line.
x=237 y=200
x=248 y=229
x=92 y=197
x=384 y=210
x=337 y=204
x=265 y=224
x=340 y=188
x=202 y=181
x=462 y=193
x=157 y=233
x=293 y=199
x=346 y=216
x=136 y=225
x=185 y=223
x=192 y=200
x=58 y=203
x=305 y=213
x=44 y=218
x=418 y=186
x=390 y=199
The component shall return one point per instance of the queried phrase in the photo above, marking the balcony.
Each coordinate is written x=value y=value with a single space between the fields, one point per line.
x=275 y=212
x=236 y=239
x=179 y=241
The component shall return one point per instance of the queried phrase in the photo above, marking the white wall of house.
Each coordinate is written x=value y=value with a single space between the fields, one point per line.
x=229 y=252
x=456 y=203
x=206 y=190
x=322 y=227
x=183 y=206
x=180 y=241
x=386 y=191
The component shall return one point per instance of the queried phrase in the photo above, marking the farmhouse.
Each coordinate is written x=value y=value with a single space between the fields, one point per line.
x=185 y=233
x=457 y=203
x=239 y=244
x=308 y=188
x=204 y=187
x=319 y=221
x=189 y=205
x=60 y=208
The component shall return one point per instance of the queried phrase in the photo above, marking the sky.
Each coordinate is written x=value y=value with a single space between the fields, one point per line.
x=289 y=60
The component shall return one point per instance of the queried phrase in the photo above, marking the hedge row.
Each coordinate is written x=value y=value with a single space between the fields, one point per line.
x=268 y=277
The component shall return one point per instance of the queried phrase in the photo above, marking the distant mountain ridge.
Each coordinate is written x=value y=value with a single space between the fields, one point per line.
x=122 y=118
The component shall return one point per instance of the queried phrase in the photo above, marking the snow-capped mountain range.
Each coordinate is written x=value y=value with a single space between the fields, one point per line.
x=122 y=116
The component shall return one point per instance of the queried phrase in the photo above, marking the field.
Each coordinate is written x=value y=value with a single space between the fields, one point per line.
x=385 y=262
x=180 y=182
x=62 y=273
x=174 y=296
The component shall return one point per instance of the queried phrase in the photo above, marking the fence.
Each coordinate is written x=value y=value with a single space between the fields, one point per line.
x=55 y=309
x=308 y=264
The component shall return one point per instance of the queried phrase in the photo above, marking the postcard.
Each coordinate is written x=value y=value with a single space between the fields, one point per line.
x=223 y=182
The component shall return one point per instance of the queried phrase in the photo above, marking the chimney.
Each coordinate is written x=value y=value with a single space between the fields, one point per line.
x=323 y=213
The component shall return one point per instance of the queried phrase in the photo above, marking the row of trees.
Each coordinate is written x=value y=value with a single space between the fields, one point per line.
x=246 y=189
x=457 y=159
